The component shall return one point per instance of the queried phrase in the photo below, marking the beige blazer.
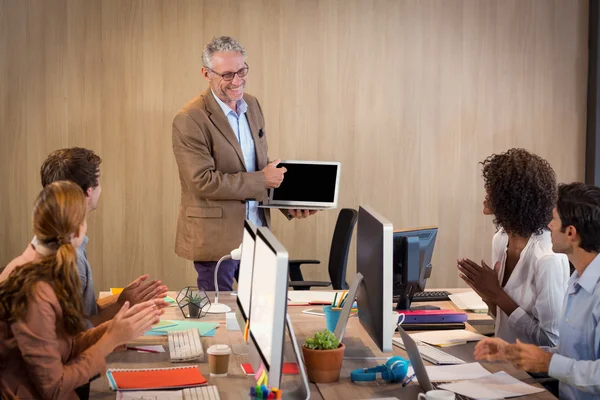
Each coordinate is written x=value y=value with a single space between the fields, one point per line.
x=214 y=181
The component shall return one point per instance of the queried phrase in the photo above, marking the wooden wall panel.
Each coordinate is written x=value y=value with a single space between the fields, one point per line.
x=408 y=95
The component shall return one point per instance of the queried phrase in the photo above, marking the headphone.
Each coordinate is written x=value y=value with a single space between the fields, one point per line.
x=393 y=370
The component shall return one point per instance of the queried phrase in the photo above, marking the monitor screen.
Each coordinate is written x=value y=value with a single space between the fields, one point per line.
x=374 y=262
x=268 y=302
x=244 y=288
x=308 y=182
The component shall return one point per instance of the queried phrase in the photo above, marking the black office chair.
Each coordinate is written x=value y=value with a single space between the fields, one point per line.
x=338 y=256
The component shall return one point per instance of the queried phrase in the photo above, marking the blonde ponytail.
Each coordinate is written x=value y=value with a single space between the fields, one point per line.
x=66 y=271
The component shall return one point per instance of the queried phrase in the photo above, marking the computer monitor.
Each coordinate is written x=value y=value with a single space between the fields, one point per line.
x=372 y=285
x=268 y=303
x=413 y=250
x=244 y=288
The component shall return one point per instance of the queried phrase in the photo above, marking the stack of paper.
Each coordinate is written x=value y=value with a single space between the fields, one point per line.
x=148 y=349
x=469 y=301
x=497 y=386
x=164 y=327
x=307 y=297
x=447 y=337
x=163 y=324
x=445 y=373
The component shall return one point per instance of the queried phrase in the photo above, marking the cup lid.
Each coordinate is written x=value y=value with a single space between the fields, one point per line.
x=219 y=350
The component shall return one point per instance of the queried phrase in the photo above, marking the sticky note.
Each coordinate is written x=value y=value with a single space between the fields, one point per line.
x=259 y=373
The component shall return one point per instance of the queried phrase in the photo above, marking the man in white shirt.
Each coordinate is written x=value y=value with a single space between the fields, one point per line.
x=575 y=362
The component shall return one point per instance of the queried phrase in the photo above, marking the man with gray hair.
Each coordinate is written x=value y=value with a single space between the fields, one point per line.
x=220 y=145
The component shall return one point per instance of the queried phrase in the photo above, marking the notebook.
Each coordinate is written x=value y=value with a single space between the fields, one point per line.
x=307 y=297
x=116 y=291
x=155 y=378
x=433 y=327
x=163 y=324
x=469 y=301
x=205 y=328
x=287 y=369
x=447 y=338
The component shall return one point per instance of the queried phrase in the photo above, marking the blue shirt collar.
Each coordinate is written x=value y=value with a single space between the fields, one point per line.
x=590 y=276
x=242 y=107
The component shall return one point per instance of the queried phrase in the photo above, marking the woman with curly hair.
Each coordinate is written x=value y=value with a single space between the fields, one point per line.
x=526 y=287
x=44 y=350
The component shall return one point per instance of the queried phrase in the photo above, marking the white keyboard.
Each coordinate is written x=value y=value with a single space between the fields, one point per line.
x=201 y=393
x=431 y=353
x=185 y=346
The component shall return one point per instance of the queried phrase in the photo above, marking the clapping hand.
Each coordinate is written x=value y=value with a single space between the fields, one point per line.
x=140 y=291
x=481 y=279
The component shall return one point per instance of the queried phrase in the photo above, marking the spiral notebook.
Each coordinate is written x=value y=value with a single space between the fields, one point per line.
x=155 y=378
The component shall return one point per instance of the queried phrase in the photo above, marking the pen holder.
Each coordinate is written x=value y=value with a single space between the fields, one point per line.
x=331 y=317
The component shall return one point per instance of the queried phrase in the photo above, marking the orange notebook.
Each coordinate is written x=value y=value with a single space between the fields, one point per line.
x=288 y=368
x=155 y=378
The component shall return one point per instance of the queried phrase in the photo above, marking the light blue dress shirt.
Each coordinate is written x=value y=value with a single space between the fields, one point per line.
x=576 y=360
x=240 y=127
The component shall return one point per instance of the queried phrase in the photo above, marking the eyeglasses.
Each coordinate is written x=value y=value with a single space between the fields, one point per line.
x=228 y=76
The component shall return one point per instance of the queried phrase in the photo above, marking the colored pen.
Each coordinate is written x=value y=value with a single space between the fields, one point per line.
x=408 y=380
x=344 y=300
x=144 y=350
x=334 y=299
x=343 y=294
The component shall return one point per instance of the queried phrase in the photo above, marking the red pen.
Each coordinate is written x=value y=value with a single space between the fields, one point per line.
x=144 y=350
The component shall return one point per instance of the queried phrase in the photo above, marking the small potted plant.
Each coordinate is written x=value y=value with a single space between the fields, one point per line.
x=194 y=302
x=323 y=356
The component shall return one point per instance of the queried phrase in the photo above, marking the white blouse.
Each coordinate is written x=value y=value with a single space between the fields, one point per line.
x=538 y=285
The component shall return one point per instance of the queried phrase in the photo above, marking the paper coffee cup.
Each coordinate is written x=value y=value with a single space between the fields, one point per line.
x=218 y=359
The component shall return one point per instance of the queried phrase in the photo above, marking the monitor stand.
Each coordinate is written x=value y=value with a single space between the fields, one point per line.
x=340 y=328
x=304 y=391
x=354 y=351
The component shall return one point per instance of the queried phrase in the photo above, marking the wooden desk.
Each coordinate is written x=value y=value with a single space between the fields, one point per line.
x=236 y=384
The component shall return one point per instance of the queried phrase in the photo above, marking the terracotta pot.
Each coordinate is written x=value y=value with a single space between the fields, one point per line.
x=323 y=366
